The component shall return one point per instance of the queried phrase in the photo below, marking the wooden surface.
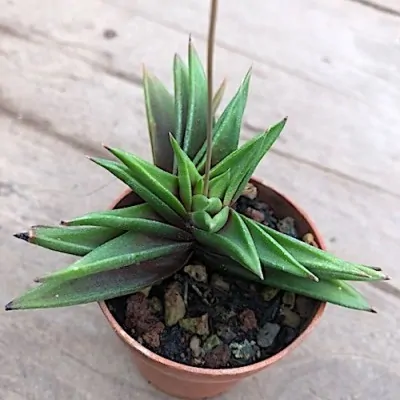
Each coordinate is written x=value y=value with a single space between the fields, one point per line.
x=332 y=66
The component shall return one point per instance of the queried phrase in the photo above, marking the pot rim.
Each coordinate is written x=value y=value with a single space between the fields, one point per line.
x=208 y=372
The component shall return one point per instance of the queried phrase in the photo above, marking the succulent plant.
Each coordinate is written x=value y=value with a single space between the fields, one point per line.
x=185 y=209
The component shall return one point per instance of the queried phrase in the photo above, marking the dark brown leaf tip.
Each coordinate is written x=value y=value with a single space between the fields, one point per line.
x=373 y=311
x=373 y=267
x=9 y=306
x=23 y=235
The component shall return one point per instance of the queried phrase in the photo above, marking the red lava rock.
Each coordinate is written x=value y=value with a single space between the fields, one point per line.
x=254 y=214
x=139 y=315
x=248 y=320
x=152 y=337
x=218 y=357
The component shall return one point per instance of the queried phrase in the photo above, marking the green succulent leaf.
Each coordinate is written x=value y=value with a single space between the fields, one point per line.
x=204 y=221
x=157 y=204
x=157 y=181
x=129 y=248
x=200 y=202
x=181 y=87
x=227 y=129
x=219 y=94
x=198 y=187
x=212 y=205
x=196 y=129
x=219 y=184
x=237 y=161
x=242 y=174
x=140 y=218
x=160 y=111
x=330 y=290
x=233 y=240
x=321 y=263
x=187 y=174
x=101 y=286
x=78 y=241
x=273 y=255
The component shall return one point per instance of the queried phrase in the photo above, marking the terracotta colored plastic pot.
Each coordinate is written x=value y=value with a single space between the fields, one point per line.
x=187 y=382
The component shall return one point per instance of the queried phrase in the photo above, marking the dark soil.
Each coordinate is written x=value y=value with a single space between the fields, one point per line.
x=207 y=320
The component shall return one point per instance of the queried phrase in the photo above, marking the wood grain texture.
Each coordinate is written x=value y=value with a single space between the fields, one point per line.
x=65 y=89
x=389 y=7
x=341 y=60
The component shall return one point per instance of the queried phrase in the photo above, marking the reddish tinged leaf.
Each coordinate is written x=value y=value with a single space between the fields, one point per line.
x=101 y=286
x=129 y=248
x=77 y=240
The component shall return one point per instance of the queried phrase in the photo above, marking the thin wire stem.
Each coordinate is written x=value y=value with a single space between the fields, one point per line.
x=210 y=57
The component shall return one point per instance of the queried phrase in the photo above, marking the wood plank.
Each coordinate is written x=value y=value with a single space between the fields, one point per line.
x=56 y=355
x=341 y=59
x=68 y=91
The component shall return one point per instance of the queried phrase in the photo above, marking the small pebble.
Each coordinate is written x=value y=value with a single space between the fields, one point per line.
x=146 y=291
x=250 y=191
x=155 y=305
x=211 y=342
x=175 y=308
x=218 y=357
x=268 y=293
x=219 y=283
x=267 y=334
x=226 y=333
x=287 y=335
x=271 y=310
x=304 y=306
x=198 y=326
x=309 y=239
x=244 y=350
x=248 y=320
x=195 y=346
x=197 y=271
x=152 y=337
x=224 y=315
x=291 y=318
x=288 y=227
x=254 y=214
x=289 y=299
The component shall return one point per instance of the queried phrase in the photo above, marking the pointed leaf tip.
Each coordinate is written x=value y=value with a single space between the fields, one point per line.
x=8 y=306
x=23 y=236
